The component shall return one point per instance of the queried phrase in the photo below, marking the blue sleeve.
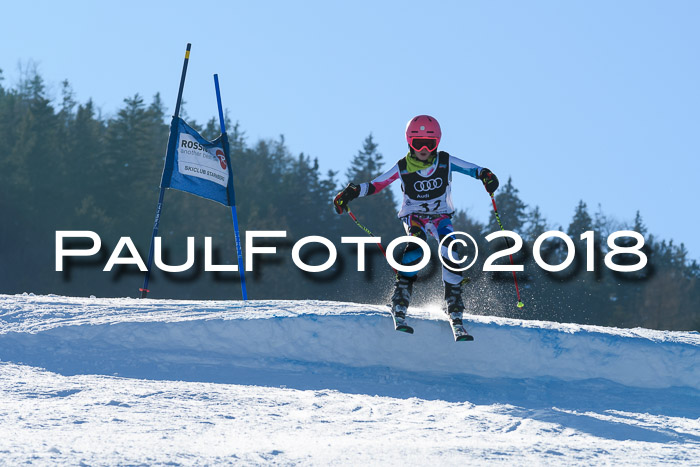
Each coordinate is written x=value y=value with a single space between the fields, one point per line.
x=464 y=167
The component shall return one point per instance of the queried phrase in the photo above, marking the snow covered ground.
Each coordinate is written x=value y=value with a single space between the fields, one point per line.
x=124 y=381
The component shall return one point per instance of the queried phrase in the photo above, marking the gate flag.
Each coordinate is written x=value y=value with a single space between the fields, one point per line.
x=198 y=166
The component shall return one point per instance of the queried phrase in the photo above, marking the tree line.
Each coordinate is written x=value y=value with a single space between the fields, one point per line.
x=66 y=166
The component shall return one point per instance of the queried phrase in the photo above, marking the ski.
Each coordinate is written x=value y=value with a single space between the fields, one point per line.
x=458 y=330
x=400 y=325
x=400 y=321
x=460 y=333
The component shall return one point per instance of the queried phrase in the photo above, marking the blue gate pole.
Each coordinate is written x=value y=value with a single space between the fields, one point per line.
x=233 y=206
x=144 y=290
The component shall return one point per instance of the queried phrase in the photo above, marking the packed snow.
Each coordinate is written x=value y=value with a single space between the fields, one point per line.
x=126 y=381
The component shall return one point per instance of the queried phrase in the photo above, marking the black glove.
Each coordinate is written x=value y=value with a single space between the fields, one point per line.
x=342 y=199
x=489 y=179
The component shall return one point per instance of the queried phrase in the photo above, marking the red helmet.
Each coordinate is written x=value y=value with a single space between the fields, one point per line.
x=424 y=131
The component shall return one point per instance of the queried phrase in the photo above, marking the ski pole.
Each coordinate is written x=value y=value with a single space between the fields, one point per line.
x=352 y=216
x=515 y=279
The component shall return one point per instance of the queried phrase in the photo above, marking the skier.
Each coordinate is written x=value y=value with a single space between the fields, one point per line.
x=426 y=178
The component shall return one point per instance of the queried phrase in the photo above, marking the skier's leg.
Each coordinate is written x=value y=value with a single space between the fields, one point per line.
x=452 y=280
x=412 y=255
x=444 y=228
x=403 y=289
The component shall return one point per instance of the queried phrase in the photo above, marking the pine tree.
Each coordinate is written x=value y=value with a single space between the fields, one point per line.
x=581 y=222
x=367 y=164
x=511 y=209
x=131 y=162
x=85 y=167
x=536 y=225
x=30 y=139
x=639 y=225
x=378 y=211
x=66 y=140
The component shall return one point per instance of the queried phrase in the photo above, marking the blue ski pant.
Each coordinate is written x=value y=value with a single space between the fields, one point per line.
x=437 y=227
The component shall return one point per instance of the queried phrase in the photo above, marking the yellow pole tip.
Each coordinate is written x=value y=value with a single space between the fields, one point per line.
x=521 y=304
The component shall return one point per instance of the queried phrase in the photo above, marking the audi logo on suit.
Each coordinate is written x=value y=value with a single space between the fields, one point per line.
x=427 y=185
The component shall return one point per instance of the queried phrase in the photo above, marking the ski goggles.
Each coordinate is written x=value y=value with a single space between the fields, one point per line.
x=418 y=144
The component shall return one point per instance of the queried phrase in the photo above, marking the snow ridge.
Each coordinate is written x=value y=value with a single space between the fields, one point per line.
x=270 y=342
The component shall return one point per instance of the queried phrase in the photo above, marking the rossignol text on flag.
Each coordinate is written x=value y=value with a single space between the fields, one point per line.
x=198 y=166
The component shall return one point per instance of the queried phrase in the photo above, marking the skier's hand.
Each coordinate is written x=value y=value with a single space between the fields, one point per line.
x=342 y=199
x=489 y=180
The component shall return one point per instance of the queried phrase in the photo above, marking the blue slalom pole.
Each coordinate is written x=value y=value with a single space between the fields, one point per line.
x=234 y=215
x=144 y=290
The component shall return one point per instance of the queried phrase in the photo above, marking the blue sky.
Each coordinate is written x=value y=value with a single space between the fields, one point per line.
x=593 y=100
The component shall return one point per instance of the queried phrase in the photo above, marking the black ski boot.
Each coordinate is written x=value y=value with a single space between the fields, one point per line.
x=400 y=301
x=455 y=308
x=455 y=305
x=402 y=295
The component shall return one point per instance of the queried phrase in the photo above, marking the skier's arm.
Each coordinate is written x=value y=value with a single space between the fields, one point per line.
x=381 y=182
x=487 y=177
x=464 y=167
x=353 y=191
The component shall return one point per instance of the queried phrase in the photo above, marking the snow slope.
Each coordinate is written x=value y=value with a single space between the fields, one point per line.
x=155 y=381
